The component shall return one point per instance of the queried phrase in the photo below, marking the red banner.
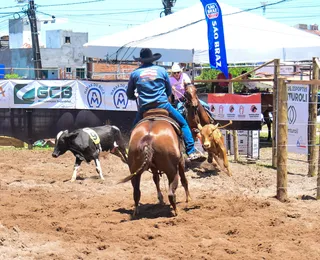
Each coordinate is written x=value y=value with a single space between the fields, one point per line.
x=235 y=107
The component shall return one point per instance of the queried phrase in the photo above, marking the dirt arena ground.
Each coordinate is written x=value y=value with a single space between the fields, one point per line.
x=45 y=216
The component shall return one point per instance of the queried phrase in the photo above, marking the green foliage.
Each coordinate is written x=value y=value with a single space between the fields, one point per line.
x=12 y=76
x=209 y=73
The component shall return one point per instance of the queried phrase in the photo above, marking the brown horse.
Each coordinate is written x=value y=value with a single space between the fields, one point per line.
x=154 y=144
x=195 y=112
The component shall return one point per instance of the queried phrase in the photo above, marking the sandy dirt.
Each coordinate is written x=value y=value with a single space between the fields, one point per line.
x=45 y=216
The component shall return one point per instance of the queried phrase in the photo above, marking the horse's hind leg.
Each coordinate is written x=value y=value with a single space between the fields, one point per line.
x=135 y=181
x=184 y=180
x=156 y=179
x=173 y=185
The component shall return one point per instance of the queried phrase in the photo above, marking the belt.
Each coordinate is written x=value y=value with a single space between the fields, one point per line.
x=152 y=105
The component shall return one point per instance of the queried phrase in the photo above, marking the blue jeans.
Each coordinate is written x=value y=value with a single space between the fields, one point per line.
x=174 y=114
x=180 y=106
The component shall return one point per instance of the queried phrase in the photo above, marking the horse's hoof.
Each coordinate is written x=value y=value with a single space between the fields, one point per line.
x=228 y=172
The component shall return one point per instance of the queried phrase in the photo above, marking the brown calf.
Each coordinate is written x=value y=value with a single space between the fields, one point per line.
x=213 y=142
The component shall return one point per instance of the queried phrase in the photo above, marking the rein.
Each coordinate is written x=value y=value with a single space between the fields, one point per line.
x=177 y=91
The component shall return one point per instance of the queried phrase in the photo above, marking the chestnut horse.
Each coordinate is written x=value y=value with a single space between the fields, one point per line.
x=195 y=112
x=155 y=145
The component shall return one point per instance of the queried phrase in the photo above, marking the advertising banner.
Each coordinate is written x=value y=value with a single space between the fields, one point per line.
x=298 y=111
x=43 y=93
x=235 y=107
x=117 y=98
x=217 y=48
x=91 y=95
x=67 y=94
x=5 y=93
x=104 y=96
x=248 y=143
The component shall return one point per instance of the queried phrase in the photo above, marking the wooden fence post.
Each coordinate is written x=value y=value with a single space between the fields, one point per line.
x=234 y=132
x=282 y=140
x=316 y=68
x=274 y=112
x=312 y=171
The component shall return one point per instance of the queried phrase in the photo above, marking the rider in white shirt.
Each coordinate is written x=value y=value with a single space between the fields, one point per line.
x=178 y=79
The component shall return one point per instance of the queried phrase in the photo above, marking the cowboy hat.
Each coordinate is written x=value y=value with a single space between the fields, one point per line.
x=176 y=68
x=146 y=56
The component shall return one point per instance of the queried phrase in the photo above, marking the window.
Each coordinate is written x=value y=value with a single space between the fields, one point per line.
x=68 y=69
x=67 y=40
x=80 y=73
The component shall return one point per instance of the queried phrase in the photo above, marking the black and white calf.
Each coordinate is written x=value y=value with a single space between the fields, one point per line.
x=87 y=143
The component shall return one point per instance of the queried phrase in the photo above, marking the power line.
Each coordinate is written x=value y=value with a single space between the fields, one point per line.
x=115 y=13
x=8 y=7
x=258 y=7
x=76 y=3
x=181 y=27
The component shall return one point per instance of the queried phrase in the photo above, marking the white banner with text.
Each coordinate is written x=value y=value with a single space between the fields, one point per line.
x=65 y=94
x=298 y=111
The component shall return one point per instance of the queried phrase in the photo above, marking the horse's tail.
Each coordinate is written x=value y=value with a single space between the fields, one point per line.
x=145 y=147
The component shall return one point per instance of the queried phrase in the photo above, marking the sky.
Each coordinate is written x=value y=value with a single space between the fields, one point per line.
x=103 y=17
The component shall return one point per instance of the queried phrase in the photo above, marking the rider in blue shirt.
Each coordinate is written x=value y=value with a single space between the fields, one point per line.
x=153 y=87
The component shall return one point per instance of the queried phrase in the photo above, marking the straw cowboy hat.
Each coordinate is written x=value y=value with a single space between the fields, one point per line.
x=176 y=68
x=146 y=56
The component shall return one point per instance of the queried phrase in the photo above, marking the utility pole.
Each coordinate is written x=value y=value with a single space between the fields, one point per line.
x=167 y=4
x=264 y=7
x=31 y=12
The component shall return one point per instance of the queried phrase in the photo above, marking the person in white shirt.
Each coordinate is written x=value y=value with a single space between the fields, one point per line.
x=178 y=80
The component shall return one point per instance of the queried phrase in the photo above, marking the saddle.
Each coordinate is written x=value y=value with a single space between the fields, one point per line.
x=160 y=114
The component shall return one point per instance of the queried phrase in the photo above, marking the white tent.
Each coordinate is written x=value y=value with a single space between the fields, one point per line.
x=182 y=37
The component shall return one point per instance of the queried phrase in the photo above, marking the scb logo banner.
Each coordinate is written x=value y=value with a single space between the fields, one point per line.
x=217 y=49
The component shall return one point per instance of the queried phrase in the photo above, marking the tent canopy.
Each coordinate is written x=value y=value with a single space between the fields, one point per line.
x=182 y=37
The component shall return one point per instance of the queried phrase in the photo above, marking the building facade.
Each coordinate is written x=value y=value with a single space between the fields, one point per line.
x=61 y=58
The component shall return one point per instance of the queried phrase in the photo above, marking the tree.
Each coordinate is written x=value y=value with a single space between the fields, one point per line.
x=12 y=76
x=208 y=73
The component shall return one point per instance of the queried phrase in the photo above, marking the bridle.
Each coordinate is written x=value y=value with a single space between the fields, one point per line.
x=188 y=104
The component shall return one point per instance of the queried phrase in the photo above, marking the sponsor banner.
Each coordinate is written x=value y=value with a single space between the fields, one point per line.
x=68 y=94
x=248 y=143
x=217 y=49
x=91 y=95
x=235 y=107
x=5 y=93
x=43 y=94
x=298 y=109
x=104 y=96
x=117 y=98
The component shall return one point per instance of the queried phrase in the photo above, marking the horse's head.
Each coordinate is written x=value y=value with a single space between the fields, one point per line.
x=191 y=95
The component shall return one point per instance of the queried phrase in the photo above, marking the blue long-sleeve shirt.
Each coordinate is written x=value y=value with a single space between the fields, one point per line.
x=152 y=84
